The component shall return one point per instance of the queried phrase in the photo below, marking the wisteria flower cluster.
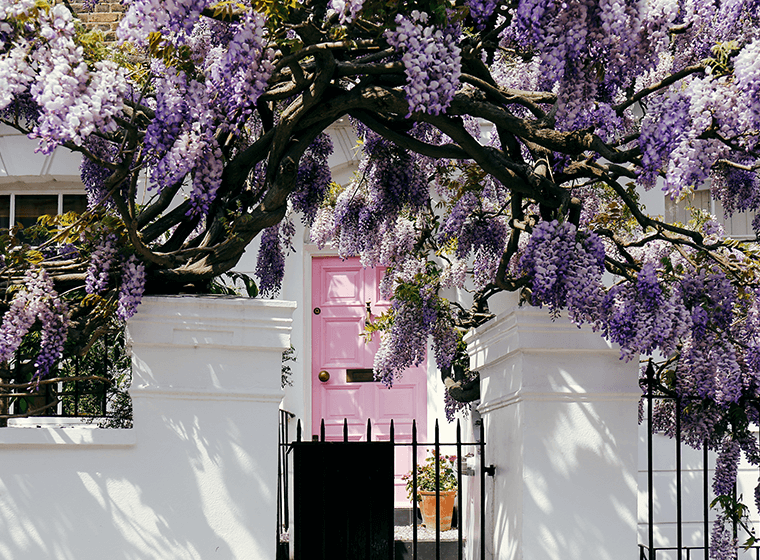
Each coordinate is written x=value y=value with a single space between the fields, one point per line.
x=74 y=99
x=314 y=179
x=144 y=17
x=432 y=60
x=347 y=10
x=238 y=74
x=101 y=262
x=132 y=287
x=179 y=137
x=36 y=300
x=276 y=244
x=566 y=268
x=417 y=311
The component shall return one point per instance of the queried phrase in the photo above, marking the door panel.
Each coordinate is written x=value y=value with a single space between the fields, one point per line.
x=338 y=339
x=341 y=290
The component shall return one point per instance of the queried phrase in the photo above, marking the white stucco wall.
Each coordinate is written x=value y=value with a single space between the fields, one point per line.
x=195 y=478
x=559 y=410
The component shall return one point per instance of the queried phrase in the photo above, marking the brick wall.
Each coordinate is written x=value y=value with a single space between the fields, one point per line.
x=104 y=17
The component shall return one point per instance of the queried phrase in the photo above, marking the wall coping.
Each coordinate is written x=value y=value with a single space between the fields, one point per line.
x=212 y=321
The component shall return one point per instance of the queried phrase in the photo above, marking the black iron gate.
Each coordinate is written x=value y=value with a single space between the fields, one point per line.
x=681 y=551
x=343 y=504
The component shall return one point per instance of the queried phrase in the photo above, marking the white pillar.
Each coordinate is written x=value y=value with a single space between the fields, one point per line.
x=206 y=393
x=560 y=414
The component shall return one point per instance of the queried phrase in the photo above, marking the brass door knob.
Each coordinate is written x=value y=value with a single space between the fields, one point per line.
x=324 y=376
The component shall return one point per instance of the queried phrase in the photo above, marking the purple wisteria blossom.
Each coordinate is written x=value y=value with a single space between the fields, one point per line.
x=103 y=258
x=432 y=61
x=36 y=300
x=132 y=287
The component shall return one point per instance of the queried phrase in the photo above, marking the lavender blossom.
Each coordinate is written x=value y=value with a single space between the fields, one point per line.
x=132 y=287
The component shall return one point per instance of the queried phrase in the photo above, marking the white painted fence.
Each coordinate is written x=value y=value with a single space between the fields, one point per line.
x=194 y=479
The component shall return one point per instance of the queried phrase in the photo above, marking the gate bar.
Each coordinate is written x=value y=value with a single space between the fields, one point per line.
x=437 y=493
x=679 y=489
x=705 y=499
x=482 y=490
x=414 y=489
x=650 y=479
x=459 y=489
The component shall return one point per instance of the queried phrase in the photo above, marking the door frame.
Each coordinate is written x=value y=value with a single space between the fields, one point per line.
x=311 y=251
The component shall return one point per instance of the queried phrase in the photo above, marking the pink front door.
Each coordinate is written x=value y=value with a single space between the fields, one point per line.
x=341 y=293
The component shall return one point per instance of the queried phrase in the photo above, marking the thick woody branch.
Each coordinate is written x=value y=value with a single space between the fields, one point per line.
x=449 y=151
x=665 y=82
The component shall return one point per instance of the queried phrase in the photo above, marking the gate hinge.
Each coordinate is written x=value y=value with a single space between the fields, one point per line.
x=490 y=470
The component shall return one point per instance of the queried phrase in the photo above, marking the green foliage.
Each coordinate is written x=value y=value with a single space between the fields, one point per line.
x=174 y=56
x=722 y=53
x=93 y=43
x=109 y=359
x=426 y=475
x=227 y=10
x=226 y=284
x=738 y=513
x=288 y=355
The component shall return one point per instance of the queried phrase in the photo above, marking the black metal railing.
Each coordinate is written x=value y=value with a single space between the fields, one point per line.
x=93 y=386
x=650 y=551
x=283 y=489
x=415 y=446
x=76 y=396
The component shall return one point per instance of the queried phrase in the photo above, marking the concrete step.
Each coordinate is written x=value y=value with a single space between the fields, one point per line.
x=426 y=550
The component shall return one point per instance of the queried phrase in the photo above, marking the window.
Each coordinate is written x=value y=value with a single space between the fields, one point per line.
x=738 y=226
x=24 y=209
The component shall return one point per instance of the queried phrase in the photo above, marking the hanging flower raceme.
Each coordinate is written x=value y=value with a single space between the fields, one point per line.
x=44 y=60
x=565 y=267
x=100 y=265
x=417 y=311
x=238 y=75
x=432 y=60
x=35 y=301
x=132 y=287
x=144 y=17
x=313 y=179
x=642 y=317
x=276 y=244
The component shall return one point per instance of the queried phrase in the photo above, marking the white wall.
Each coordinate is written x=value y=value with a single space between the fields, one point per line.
x=560 y=410
x=194 y=479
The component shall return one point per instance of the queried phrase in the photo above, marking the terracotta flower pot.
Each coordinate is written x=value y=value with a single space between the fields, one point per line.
x=427 y=508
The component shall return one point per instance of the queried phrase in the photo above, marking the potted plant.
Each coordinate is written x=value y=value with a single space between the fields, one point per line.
x=427 y=491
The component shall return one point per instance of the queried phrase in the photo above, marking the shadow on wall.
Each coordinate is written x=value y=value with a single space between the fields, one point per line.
x=194 y=479
x=183 y=492
x=560 y=411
